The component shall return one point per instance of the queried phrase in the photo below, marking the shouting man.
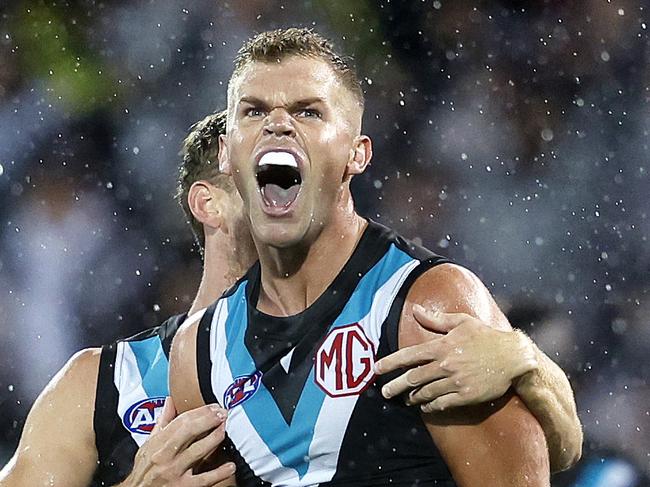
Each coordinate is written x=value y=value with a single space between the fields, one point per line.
x=290 y=350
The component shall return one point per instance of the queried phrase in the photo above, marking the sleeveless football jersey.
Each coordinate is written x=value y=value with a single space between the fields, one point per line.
x=305 y=407
x=131 y=389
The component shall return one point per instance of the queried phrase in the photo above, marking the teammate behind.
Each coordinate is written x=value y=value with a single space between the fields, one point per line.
x=290 y=349
x=65 y=444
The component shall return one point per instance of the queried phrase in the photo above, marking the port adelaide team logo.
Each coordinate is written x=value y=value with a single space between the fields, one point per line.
x=141 y=417
x=241 y=389
x=345 y=361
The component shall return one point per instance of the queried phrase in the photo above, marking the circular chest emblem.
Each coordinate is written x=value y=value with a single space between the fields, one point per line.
x=241 y=389
x=141 y=416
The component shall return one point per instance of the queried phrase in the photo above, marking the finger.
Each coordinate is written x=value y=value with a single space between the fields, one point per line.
x=201 y=448
x=166 y=416
x=451 y=400
x=190 y=425
x=212 y=477
x=432 y=391
x=421 y=353
x=438 y=321
x=413 y=378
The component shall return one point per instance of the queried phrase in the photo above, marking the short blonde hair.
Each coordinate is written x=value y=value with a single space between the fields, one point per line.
x=275 y=45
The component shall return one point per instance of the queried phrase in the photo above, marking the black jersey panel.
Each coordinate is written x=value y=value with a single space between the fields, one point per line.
x=116 y=448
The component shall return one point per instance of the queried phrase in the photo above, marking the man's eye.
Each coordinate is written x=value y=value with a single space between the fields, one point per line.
x=309 y=113
x=255 y=112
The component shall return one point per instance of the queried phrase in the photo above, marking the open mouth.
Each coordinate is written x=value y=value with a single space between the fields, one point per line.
x=279 y=179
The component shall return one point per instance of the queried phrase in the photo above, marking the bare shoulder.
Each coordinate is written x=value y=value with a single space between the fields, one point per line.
x=58 y=440
x=452 y=289
x=73 y=386
x=183 y=376
x=508 y=446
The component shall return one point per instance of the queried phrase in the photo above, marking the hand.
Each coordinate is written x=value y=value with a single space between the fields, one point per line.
x=470 y=364
x=178 y=443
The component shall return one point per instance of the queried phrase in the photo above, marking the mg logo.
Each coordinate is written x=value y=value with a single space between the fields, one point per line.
x=344 y=361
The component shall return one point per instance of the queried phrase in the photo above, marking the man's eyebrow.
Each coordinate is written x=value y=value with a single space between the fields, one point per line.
x=252 y=100
x=307 y=101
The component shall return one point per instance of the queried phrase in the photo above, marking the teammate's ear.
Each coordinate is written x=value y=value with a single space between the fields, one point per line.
x=360 y=155
x=224 y=160
x=205 y=202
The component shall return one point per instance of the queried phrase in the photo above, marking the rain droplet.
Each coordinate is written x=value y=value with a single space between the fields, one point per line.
x=604 y=56
x=547 y=135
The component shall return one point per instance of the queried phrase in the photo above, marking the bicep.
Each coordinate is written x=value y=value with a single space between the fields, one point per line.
x=500 y=443
x=495 y=444
x=57 y=446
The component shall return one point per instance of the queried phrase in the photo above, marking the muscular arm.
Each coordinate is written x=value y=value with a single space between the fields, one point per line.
x=547 y=393
x=492 y=361
x=491 y=444
x=57 y=446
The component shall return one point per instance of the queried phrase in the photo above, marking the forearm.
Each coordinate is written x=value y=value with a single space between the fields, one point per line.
x=548 y=395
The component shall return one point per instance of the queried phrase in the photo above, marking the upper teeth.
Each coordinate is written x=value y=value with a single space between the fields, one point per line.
x=278 y=159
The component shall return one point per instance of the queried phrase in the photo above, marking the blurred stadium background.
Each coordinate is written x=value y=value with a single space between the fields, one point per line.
x=509 y=135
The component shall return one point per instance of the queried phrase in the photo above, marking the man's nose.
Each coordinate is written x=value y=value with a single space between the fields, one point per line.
x=279 y=123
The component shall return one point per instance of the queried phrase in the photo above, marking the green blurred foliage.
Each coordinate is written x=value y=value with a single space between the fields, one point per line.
x=52 y=48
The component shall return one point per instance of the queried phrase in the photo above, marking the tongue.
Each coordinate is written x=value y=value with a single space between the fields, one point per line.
x=275 y=195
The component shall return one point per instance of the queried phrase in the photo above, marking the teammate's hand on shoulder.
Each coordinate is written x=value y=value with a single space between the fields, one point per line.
x=176 y=445
x=467 y=362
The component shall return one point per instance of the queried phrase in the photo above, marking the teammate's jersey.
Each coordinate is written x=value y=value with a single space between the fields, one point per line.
x=131 y=389
x=304 y=405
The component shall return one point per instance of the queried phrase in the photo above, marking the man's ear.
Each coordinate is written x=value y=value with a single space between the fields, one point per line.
x=360 y=155
x=205 y=202
x=224 y=159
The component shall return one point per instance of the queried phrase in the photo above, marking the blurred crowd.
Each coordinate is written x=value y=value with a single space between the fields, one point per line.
x=511 y=136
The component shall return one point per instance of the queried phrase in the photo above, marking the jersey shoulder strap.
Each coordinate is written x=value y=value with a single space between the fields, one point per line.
x=131 y=388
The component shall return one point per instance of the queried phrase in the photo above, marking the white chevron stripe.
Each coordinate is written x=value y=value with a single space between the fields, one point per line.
x=333 y=417
x=128 y=381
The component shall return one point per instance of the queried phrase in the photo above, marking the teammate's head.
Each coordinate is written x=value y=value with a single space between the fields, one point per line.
x=294 y=133
x=199 y=163
x=209 y=198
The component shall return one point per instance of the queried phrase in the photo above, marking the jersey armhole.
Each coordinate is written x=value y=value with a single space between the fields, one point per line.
x=106 y=399
x=203 y=356
x=391 y=324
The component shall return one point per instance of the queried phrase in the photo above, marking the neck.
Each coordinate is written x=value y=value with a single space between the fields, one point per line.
x=216 y=278
x=293 y=278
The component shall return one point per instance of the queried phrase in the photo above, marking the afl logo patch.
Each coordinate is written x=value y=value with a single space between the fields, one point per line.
x=241 y=389
x=141 y=416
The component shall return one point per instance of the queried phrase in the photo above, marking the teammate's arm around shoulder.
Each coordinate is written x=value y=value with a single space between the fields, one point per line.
x=492 y=444
x=57 y=446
